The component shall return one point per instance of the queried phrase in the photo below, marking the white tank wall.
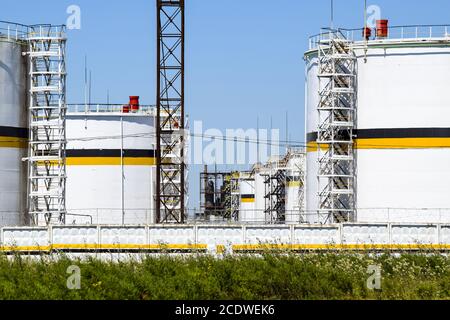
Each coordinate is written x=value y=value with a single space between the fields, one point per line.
x=13 y=116
x=260 y=201
x=294 y=206
x=398 y=88
x=96 y=189
x=247 y=213
x=311 y=115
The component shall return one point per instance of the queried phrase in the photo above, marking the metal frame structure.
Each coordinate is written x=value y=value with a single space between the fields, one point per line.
x=336 y=114
x=234 y=202
x=222 y=197
x=171 y=179
x=47 y=116
x=275 y=195
x=214 y=187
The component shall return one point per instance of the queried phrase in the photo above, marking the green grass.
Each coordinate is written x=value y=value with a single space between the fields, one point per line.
x=310 y=276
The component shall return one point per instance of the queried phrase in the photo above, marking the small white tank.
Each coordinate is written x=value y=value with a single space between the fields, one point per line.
x=111 y=167
x=247 y=213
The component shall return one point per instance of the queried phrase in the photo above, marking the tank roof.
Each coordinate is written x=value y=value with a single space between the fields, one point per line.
x=396 y=35
x=108 y=109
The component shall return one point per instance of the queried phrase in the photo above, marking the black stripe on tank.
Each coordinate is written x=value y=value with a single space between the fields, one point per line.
x=393 y=133
x=247 y=196
x=403 y=133
x=110 y=153
x=14 y=132
x=311 y=137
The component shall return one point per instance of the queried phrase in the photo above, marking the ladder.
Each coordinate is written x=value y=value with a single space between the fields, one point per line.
x=47 y=116
x=336 y=115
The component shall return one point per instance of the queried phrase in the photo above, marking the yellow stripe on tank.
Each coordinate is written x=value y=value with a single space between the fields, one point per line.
x=110 y=161
x=391 y=143
x=106 y=161
x=14 y=143
x=402 y=143
x=293 y=184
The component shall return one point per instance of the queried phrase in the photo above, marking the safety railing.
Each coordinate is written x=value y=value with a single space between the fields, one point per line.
x=13 y=31
x=110 y=108
x=17 y=31
x=400 y=33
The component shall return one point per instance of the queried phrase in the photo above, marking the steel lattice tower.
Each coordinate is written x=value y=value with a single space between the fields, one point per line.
x=171 y=179
x=47 y=117
x=336 y=176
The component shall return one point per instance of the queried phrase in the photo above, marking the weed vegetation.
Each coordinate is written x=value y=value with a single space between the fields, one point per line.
x=266 y=276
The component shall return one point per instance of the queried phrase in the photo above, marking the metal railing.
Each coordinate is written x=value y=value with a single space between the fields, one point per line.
x=399 y=33
x=109 y=108
x=17 y=31
x=254 y=217
x=13 y=31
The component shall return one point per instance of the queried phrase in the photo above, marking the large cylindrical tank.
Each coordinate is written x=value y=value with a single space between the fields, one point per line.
x=402 y=136
x=111 y=167
x=13 y=131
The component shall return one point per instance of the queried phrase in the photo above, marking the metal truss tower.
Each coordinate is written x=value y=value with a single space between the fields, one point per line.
x=171 y=179
x=336 y=176
x=47 y=117
x=275 y=197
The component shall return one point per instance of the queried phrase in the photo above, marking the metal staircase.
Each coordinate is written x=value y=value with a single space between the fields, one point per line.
x=336 y=176
x=47 y=116
x=275 y=197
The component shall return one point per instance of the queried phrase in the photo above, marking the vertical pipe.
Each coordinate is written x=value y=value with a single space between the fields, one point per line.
x=183 y=190
x=122 y=175
x=158 y=113
x=257 y=139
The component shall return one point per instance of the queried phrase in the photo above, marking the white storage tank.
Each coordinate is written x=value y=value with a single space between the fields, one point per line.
x=402 y=125
x=111 y=165
x=247 y=213
x=294 y=188
x=13 y=125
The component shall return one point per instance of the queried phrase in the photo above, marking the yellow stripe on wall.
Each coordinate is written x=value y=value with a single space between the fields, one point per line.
x=264 y=247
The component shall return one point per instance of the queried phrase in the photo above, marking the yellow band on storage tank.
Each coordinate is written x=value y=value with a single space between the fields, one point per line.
x=12 y=142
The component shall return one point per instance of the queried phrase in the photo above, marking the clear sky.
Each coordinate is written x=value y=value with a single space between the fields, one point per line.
x=243 y=57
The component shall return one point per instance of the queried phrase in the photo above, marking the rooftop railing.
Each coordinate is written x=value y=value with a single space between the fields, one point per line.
x=399 y=33
x=13 y=31
x=17 y=31
x=109 y=108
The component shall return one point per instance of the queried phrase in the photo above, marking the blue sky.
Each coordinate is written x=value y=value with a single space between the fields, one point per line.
x=243 y=57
